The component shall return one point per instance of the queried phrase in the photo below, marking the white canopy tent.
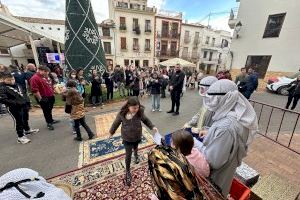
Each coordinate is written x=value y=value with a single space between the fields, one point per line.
x=175 y=61
x=14 y=32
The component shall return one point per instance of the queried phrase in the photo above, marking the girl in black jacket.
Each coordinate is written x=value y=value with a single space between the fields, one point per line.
x=155 y=86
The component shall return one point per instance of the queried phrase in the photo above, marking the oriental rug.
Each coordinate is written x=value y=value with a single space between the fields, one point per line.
x=105 y=179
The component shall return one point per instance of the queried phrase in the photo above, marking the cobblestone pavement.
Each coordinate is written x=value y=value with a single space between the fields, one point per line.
x=55 y=152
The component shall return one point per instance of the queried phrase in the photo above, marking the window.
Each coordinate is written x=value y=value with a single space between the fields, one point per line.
x=107 y=47
x=205 y=54
x=135 y=44
x=126 y=62
x=58 y=29
x=174 y=31
x=195 y=52
x=274 y=25
x=135 y=23
x=122 y=20
x=174 y=49
x=210 y=55
x=213 y=42
x=185 y=52
x=147 y=45
x=196 y=39
x=165 y=29
x=207 y=40
x=260 y=64
x=186 y=36
x=4 y=51
x=224 y=43
x=42 y=28
x=123 y=43
x=122 y=23
x=106 y=31
x=50 y=28
x=122 y=5
x=145 y=63
x=147 y=26
x=175 y=26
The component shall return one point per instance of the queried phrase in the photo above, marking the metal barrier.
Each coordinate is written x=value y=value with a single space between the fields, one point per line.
x=279 y=125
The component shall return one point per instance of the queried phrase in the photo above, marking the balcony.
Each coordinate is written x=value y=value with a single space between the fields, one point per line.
x=122 y=27
x=147 y=49
x=212 y=61
x=187 y=39
x=171 y=53
x=137 y=29
x=232 y=18
x=134 y=7
x=124 y=47
x=148 y=30
x=212 y=47
x=174 y=53
x=136 y=47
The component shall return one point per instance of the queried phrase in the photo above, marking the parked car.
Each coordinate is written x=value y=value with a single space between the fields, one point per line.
x=280 y=84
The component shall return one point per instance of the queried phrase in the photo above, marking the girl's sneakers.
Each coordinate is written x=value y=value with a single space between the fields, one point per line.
x=23 y=140
x=128 y=178
x=136 y=160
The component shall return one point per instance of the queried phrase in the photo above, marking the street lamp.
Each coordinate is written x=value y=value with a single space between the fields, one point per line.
x=238 y=28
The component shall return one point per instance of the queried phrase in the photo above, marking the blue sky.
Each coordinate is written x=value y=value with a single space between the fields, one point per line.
x=193 y=10
x=197 y=9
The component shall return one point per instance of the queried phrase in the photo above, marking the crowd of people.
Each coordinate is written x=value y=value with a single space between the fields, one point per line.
x=226 y=126
x=214 y=141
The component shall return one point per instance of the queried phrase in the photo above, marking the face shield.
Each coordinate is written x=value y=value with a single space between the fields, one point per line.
x=203 y=89
x=212 y=100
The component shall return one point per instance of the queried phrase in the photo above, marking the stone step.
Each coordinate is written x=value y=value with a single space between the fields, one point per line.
x=272 y=187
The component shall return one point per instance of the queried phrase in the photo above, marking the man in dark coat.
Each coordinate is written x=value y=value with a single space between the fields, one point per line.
x=251 y=83
x=176 y=86
x=129 y=80
x=294 y=93
x=109 y=82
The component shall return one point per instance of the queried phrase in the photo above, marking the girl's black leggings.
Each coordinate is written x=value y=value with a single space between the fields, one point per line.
x=128 y=150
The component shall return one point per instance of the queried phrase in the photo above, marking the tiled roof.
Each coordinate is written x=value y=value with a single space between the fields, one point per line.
x=41 y=20
x=54 y=21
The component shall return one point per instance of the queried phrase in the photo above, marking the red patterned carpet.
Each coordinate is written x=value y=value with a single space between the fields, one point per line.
x=105 y=180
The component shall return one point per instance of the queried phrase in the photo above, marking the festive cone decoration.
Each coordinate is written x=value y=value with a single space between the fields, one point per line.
x=83 y=47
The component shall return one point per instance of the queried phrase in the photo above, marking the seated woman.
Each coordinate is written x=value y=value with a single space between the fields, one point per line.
x=234 y=127
x=174 y=178
x=183 y=141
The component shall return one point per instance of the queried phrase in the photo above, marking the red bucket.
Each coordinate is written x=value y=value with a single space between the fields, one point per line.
x=239 y=191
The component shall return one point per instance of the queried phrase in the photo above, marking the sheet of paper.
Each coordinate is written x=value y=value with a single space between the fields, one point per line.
x=157 y=138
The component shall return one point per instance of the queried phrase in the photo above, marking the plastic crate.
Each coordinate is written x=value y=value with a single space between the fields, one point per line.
x=239 y=191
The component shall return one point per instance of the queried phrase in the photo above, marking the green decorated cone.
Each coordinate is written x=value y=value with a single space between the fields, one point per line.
x=83 y=47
